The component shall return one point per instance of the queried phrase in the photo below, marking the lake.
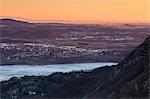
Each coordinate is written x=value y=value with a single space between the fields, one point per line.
x=8 y=71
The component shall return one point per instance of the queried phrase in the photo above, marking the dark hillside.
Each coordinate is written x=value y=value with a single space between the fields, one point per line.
x=14 y=29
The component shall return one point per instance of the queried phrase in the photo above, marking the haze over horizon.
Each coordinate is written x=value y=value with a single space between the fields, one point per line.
x=77 y=11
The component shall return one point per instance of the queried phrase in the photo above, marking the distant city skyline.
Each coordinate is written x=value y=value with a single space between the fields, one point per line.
x=77 y=11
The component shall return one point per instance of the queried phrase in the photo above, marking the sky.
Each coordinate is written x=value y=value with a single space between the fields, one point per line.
x=90 y=11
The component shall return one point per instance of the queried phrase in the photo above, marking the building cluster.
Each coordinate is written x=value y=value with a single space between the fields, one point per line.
x=24 y=50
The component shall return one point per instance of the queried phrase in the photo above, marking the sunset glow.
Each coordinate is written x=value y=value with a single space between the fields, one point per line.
x=94 y=11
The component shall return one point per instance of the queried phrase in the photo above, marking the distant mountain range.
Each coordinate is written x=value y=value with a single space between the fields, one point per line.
x=129 y=79
x=22 y=30
x=15 y=29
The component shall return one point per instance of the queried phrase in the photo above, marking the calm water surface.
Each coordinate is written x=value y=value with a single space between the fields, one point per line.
x=8 y=71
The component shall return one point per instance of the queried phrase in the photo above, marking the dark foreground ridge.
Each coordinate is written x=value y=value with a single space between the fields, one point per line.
x=129 y=79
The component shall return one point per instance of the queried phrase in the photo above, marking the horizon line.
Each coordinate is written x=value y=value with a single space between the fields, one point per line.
x=75 y=21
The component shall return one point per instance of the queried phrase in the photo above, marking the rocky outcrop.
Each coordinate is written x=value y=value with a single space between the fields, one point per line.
x=129 y=79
